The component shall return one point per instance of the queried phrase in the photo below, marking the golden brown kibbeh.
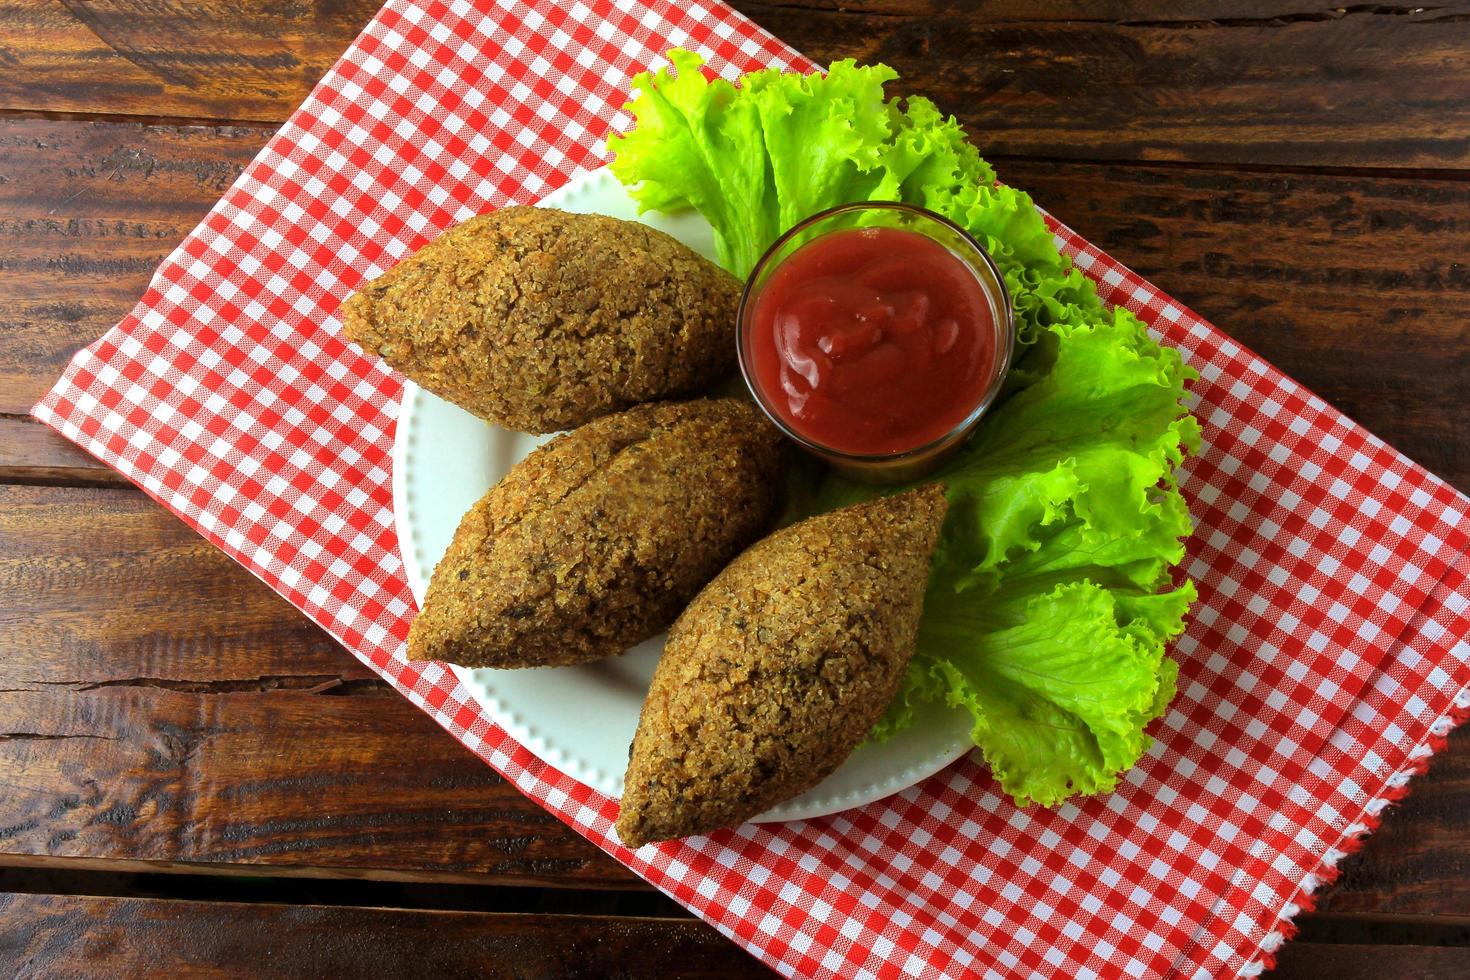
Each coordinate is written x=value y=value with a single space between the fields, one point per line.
x=595 y=541
x=540 y=320
x=780 y=667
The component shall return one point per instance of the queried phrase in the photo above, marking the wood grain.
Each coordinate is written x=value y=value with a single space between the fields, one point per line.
x=1419 y=860
x=209 y=59
x=160 y=709
x=1353 y=284
x=1369 y=85
x=63 y=935
x=54 y=935
x=1315 y=961
x=1253 y=82
x=158 y=704
x=34 y=453
x=87 y=212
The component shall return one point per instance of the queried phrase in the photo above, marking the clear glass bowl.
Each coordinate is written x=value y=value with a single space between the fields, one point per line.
x=914 y=462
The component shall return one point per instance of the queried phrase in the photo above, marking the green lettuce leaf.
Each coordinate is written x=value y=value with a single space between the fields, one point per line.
x=1052 y=602
x=1060 y=698
x=1053 y=595
x=698 y=145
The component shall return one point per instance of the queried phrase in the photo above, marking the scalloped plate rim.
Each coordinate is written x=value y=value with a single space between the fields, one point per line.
x=944 y=739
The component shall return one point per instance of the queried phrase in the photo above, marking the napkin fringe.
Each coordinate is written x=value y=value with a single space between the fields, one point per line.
x=1395 y=789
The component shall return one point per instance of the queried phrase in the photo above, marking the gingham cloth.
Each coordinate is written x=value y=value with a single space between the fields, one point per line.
x=1323 y=663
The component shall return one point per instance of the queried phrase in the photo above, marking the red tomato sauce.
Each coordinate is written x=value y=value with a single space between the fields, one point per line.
x=872 y=341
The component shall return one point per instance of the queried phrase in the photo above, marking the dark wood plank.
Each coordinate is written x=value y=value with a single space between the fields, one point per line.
x=87 y=212
x=160 y=705
x=1419 y=860
x=56 y=935
x=34 y=453
x=210 y=59
x=1352 y=928
x=62 y=935
x=1314 y=961
x=1353 y=284
x=1356 y=286
x=1257 y=81
x=1364 y=85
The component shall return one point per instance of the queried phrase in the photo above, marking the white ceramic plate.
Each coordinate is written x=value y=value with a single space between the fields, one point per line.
x=582 y=719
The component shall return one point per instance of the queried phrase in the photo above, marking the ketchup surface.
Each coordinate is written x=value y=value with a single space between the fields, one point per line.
x=872 y=341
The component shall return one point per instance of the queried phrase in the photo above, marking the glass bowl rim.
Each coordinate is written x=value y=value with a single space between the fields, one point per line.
x=1006 y=331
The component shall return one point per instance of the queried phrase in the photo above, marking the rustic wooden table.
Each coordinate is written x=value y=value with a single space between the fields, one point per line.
x=192 y=775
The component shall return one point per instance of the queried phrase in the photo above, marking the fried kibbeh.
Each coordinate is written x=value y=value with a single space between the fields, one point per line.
x=595 y=541
x=539 y=320
x=780 y=667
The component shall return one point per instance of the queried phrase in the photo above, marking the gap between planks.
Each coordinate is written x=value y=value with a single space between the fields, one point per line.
x=1000 y=159
x=633 y=901
x=482 y=894
x=363 y=879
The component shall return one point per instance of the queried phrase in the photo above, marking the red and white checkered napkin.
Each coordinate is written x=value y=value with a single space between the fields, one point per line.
x=1324 y=663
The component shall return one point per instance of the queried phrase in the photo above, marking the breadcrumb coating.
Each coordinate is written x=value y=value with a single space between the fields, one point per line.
x=780 y=667
x=539 y=320
x=595 y=541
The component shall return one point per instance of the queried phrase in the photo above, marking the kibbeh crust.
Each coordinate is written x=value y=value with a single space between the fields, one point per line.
x=539 y=320
x=595 y=541
x=780 y=667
